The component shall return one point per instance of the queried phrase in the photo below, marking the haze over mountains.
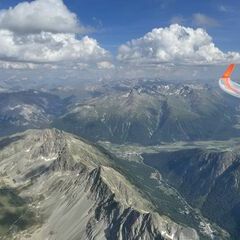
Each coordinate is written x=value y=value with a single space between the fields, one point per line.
x=151 y=112
x=145 y=112
x=156 y=187
x=112 y=124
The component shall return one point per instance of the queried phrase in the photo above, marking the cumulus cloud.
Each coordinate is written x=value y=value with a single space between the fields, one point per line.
x=17 y=66
x=45 y=31
x=202 y=20
x=105 y=65
x=40 y=15
x=44 y=34
x=176 y=45
x=47 y=47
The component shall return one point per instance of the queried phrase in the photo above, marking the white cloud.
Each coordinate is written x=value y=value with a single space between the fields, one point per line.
x=176 y=45
x=105 y=65
x=202 y=20
x=47 y=47
x=16 y=65
x=40 y=15
x=44 y=31
x=43 y=36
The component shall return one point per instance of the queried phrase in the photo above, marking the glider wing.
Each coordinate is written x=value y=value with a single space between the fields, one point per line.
x=227 y=84
x=229 y=71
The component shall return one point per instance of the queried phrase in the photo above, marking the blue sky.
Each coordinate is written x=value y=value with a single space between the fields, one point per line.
x=93 y=38
x=123 y=20
x=120 y=21
x=117 y=21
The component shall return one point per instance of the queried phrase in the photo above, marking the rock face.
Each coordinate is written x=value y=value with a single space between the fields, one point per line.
x=208 y=179
x=152 y=112
x=75 y=192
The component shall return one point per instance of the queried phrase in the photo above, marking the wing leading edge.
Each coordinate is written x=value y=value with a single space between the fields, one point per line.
x=229 y=71
x=227 y=84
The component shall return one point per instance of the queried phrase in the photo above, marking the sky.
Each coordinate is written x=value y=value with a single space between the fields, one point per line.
x=122 y=20
x=100 y=39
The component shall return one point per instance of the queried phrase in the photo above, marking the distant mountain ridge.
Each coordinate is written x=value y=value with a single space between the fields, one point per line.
x=23 y=110
x=152 y=112
x=145 y=112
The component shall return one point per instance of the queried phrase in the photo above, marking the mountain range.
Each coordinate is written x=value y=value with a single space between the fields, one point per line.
x=21 y=110
x=148 y=160
x=58 y=186
x=154 y=112
x=207 y=177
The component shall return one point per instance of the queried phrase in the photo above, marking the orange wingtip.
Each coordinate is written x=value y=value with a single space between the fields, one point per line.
x=229 y=71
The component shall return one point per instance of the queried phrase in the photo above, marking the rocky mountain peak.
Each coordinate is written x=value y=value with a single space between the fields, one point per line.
x=77 y=192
